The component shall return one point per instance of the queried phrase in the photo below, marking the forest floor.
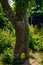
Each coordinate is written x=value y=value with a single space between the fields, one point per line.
x=36 y=58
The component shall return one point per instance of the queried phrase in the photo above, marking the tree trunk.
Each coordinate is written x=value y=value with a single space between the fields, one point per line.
x=20 y=22
x=22 y=38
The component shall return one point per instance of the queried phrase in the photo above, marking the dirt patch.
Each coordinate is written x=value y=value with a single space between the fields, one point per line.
x=36 y=58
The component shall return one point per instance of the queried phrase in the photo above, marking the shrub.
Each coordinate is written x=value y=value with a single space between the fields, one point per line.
x=6 y=40
x=36 y=39
x=7 y=57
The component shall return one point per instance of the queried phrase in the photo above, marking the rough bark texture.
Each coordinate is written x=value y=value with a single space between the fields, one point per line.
x=22 y=31
x=22 y=37
x=20 y=22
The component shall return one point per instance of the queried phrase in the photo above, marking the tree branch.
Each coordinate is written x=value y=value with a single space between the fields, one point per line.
x=8 y=11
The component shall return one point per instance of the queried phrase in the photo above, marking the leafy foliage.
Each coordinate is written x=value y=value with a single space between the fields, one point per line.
x=22 y=5
x=7 y=57
x=6 y=40
x=36 y=39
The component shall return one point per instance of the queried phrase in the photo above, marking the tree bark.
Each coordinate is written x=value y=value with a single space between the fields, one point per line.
x=22 y=38
x=20 y=22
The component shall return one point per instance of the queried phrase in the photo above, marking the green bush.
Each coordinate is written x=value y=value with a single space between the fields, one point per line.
x=6 y=24
x=7 y=57
x=6 y=40
x=36 y=39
